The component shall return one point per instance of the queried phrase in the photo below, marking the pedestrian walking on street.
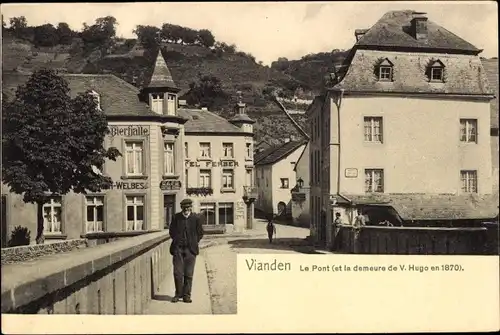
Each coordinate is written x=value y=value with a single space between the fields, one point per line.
x=186 y=231
x=271 y=229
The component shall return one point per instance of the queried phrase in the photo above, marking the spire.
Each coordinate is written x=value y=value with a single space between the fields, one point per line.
x=161 y=77
x=241 y=116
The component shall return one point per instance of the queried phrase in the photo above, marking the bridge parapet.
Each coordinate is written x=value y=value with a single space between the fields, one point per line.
x=119 y=277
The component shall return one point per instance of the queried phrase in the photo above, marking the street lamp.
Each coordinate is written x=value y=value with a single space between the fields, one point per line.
x=300 y=182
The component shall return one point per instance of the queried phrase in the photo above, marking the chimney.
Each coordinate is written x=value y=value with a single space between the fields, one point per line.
x=419 y=26
x=359 y=33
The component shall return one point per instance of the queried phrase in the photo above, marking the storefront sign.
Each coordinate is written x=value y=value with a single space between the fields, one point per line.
x=351 y=173
x=173 y=185
x=128 y=131
x=209 y=164
x=240 y=210
x=128 y=185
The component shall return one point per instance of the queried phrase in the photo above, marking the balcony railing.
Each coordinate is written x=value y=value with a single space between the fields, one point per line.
x=250 y=192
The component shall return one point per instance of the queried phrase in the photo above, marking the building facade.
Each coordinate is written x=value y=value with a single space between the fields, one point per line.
x=163 y=161
x=397 y=133
x=301 y=194
x=275 y=177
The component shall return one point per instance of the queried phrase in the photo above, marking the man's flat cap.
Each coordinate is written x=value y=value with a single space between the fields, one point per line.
x=186 y=202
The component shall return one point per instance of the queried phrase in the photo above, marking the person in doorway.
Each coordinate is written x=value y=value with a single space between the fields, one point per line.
x=359 y=221
x=186 y=231
x=338 y=219
x=271 y=229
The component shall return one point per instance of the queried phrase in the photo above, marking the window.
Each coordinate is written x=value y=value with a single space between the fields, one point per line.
x=95 y=214
x=187 y=177
x=384 y=70
x=186 y=150
x=207 y=213
x=168 y=209
x=133 y=157
x=468 y=130
x=374 y=180
x=435 y=71
x=157 y=103
x=170 y=104
x=168 y=158
x=249 y=177
x=469 y=181
x=226 y=213
x=436 y=74
x=227 y=150
x=373 y=129
x=284 y=182
x=52 y=216
x=97 y=98
x=227 y=179
x=205 y=150
x=205 y=178
x=249 y=150
x=135 y=213
x=385 y=73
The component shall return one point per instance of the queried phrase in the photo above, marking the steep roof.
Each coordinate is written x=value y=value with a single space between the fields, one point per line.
x=435 y=206
x=276 y=153
x=491 y=68
x=393 y=30
x=117 y=97
x=202 y=121
x=161 y=76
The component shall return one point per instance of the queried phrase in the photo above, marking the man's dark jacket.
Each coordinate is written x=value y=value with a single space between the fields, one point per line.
x=194 y=231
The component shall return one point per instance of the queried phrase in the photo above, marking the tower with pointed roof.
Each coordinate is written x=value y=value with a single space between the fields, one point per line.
x=241 y=119
x=161 y=91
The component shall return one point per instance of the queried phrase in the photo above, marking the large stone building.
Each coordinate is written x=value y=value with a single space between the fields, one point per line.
x=401 y=131
x=169 y=153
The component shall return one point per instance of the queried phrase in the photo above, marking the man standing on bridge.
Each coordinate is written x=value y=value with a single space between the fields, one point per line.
x=186 y=232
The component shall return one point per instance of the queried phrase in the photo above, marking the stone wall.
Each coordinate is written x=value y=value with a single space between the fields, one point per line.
x=30 y=252
x=120 y=277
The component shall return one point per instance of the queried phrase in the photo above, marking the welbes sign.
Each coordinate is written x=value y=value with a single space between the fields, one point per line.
x=128 y=131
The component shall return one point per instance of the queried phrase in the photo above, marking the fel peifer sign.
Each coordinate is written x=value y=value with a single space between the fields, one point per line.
x=128 y=131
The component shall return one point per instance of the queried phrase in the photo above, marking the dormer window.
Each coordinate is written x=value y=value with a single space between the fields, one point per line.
x=157 y=103
x=97 y=98
x=171 y=104
x=435 y=71
x=384 y=70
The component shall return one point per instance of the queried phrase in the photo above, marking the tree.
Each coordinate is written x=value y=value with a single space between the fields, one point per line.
x=18 y=23
x=101 y=33
x=53 y=144
x=46 y=35
x=147 y=35
x=206 y=38
x=188 y=35
x=65 y=33
x=207 y=92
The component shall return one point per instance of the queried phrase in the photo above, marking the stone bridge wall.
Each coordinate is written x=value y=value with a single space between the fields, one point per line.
x=113 y=278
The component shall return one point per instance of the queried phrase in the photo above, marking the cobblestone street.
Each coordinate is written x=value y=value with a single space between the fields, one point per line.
x=220 y=260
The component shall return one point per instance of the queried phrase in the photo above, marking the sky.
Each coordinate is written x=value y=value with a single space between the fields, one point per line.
x=270 y=30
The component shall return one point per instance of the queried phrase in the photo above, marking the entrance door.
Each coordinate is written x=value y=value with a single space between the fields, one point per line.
x=4 y=221
x=168 y=209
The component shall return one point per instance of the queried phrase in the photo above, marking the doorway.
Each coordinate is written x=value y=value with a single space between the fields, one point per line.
x=168 y=209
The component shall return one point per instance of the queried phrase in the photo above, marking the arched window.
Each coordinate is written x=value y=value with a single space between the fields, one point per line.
x=435 y=71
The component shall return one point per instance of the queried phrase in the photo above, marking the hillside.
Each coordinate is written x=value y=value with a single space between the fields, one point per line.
x=128 y=60
x=310 y=69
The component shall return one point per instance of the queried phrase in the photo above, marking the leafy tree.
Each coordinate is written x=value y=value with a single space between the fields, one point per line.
x=65 y=33
x=53 y=144
x=188 y=35
x=101 y=33
x=18 y=23
x=46 y=35
x=206 y=38
x=207 y=92
x=147 y=35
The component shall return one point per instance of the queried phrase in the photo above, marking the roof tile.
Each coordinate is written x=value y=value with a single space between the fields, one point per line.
x=277 y=153
x=201 y=121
